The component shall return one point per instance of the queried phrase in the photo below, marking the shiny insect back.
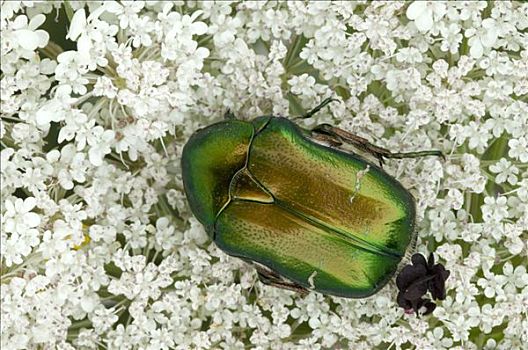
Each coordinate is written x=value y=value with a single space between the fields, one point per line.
x=308 y=216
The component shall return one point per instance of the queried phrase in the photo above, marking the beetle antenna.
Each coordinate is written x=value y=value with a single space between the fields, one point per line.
x=320 y=106
x=363 y=144
x=418 y=154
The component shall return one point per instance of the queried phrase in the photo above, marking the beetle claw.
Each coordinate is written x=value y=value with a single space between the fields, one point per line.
x=228 y=115
x=381 y=160
x=272 y=278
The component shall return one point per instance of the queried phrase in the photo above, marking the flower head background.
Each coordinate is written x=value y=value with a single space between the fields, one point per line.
x=98 y=246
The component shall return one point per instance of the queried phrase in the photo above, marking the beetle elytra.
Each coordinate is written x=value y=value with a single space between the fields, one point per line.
x=308 y=216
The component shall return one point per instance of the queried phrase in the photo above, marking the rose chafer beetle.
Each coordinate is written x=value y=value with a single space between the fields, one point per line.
x=307 y=215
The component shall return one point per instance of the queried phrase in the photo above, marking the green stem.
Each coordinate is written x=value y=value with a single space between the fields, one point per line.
x=52 y=50
x=497 y=150
x=69 y=10
x=80 y=324
x=293 y=53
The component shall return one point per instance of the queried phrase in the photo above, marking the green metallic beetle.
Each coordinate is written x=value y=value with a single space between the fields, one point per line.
x=308 y=216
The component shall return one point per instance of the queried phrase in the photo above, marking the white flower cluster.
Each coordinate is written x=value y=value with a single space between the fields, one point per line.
x=98 y=246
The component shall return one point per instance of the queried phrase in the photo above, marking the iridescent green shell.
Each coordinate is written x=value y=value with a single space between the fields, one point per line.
x=323 y=218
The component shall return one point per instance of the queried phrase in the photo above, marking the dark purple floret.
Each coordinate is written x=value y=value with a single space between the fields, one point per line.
x=415 y=280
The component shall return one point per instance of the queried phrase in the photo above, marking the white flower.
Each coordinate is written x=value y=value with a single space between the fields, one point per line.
x=18 y=217
x=26 y=34
x=139 y=279
x=492 y=284
x=489 y=318
x=78 y=22
x=142 y=29
x=71 y=167
x=127 y=11
x=482 y=38
x=100 y=141
x=478 y=136
x=70 y=70
x=178 y=43
x=104 y=87
x=105 y=233
x=409 y=55
x=519 y=149
x=451 y=38
x=515 y=278
x=50 y=112
x=425 y=13
x=506 y=171
x=93 y=36
x=104 y=249
x=302 y=85
x=19 y=233
x=495 y=209
x=166 y=237
x=103 y=318
x=224 y=29
x=513 y=242
x=136 y=234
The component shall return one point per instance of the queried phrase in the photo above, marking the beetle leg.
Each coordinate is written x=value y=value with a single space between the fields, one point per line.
x=318 y=107
x=228 y=115
x=363 y=144
x=271 y=278
x=332 y=141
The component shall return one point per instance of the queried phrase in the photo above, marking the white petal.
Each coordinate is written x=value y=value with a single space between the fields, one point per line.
x=162 y=223
x=64 y=90
x=29 y=203
x=196 y=14
x=20 y=22
x=43 y=37
x=28 y=39
x=53 y=156
x=468 y=33
x=19 y=205
x=68 y=152
x=36 y=21
x=65 y=180
x=9 y=225
x=132 y=154
x=439 y=9
x=43 y=116
x=10 y=208
x=114 y=7
x=78 y=23
x=202 y=52
x=415 y=9
x=489 y=38
x=31 y=219
x=476 y=49
x=65 y=134
x=97 y=12
x=488 y=23
x=108 y=136
x=199 y=28
x=241 y=46
x=166 y=8
x=507 y=268
x=95 y=156
x=87 y=304
x=425 y=21
x=84 y=44
x=66 y=56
